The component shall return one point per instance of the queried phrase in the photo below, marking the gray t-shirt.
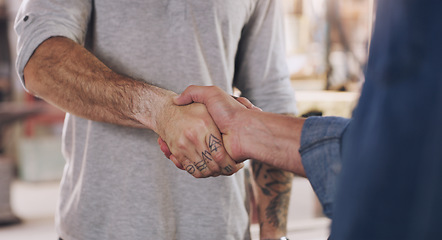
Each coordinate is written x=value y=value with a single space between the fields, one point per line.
x=117 y=184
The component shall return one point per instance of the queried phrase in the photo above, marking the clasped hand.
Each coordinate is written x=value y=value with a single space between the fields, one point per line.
x=209 y=128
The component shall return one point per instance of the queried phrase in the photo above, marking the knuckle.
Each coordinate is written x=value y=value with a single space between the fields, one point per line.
x=229 y=170
x=219 y=156
x=214 y=88
x=215 y=170
x=181 y=144
x=192 y=133
x=179 y=157
x=189 y=133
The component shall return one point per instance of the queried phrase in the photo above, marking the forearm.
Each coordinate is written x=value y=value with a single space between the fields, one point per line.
x=66 y=75
x=272 y=188
x=278 y=141
x=250 y=134
x=271 y=138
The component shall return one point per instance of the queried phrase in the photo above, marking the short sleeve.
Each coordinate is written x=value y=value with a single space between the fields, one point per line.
x=261 y=72
x=38 y=20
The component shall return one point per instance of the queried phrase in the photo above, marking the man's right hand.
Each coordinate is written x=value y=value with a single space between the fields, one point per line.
x=223 y=109
x=65 y=74
x=195 y=141
x=271 y=138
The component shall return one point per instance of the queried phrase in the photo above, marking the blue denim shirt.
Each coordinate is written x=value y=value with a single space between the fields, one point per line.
x=390 y=184
x=321 y=156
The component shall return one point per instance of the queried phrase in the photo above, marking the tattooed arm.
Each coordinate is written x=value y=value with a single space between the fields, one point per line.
x=248 y=134
x=272 y=187
x=65 y=74
x=270 y=138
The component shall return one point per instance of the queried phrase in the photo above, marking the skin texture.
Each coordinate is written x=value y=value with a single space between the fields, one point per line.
x=248 y=133
x=68 y=76
x=272 y=140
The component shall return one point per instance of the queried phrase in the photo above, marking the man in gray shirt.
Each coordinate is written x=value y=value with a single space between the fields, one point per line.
x=118 y=95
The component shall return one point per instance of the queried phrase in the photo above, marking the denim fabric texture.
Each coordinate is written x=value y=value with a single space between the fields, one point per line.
x=321 y=156
x=390 y=186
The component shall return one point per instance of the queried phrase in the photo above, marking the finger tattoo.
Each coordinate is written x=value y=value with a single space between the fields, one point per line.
x=190 y=169
x=206 y=156
x=228 y=168
x=214 y=143
x=201 y=165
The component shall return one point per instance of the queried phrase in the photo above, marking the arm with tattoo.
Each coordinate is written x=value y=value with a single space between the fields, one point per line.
x=272 y=191
x=271 y=138
x=66 y=75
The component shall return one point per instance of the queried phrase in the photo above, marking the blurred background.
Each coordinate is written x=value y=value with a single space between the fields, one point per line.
x=327 y=48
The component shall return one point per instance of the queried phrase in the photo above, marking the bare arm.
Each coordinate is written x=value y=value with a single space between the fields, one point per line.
x=271 y=138
x=272 y=187
x=66 y=75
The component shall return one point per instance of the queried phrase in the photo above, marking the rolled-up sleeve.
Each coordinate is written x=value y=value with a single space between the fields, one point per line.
x=321 y=156
x=38 y=20
x=261 y=72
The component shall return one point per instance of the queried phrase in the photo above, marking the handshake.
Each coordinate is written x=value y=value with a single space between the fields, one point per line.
x=233 y=130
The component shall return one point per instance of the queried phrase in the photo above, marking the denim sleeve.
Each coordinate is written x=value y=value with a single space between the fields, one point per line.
x=321 y=156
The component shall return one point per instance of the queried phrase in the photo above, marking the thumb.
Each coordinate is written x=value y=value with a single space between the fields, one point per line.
x=182 y=99
x=189 y=95
x=246 y=102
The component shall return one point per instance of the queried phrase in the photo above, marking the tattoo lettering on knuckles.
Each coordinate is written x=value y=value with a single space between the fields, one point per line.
x=228 y=168
x=190 y=169
x=206 y=156
x=201 y=165
x=214 y=143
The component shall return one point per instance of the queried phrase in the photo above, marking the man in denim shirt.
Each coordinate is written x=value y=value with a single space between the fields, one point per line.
x=390 y=183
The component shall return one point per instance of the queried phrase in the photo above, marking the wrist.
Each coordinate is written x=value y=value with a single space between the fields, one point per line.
x=162 y=113
x=153 y=107
x=252 y=131
x=239 y=128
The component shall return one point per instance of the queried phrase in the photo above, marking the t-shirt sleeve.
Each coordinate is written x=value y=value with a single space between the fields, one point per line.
x=261 y=72
x=38 y=20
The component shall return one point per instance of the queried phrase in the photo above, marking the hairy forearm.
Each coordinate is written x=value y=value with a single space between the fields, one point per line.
x=66 y=75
